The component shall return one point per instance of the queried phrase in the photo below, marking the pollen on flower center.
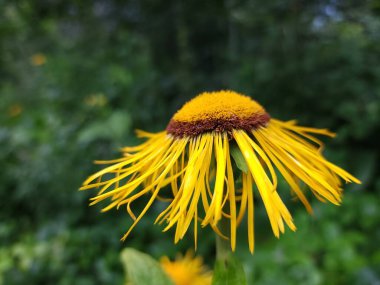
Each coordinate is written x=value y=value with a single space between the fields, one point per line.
x=220 y=111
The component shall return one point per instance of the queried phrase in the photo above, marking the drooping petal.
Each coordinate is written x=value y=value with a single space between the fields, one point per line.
x=276 y=210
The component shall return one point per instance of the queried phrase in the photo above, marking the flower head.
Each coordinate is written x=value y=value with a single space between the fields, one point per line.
x=187 y=270
x=213 y=141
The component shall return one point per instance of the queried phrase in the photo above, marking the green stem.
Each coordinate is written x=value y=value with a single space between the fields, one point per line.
x=228 y=270
x=223 y=246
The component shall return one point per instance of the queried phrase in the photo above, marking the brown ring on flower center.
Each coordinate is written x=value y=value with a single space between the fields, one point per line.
x=195 y=128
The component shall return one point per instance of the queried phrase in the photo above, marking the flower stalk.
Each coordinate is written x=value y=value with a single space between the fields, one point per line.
x=228 y=269
x=223 y=247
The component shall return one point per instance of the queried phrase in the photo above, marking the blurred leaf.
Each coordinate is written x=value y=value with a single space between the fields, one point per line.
x=140 y=268
x=114 y=128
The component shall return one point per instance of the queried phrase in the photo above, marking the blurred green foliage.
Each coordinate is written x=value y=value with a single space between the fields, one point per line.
x=78 y=76
x=141 y=268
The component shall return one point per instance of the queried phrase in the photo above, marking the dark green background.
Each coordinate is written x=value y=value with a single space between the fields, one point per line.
x=113 y=66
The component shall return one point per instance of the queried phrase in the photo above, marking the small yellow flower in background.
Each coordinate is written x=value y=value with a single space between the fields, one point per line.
x=197 y=156
x=187 y=270
x=14 y=110
x=96 y=100
x=38 y=59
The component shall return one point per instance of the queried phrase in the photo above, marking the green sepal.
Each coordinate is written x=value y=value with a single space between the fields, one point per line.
x=238 y=158
x=141 y=268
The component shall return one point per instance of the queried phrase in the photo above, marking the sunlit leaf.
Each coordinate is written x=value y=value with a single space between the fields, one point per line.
x=140 y=269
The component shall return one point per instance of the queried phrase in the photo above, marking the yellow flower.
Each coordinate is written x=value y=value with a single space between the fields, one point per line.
x=187 y=270
x=193 y=157
x=38 y=59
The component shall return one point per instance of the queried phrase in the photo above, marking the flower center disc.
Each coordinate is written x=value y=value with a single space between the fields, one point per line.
x=220 y=111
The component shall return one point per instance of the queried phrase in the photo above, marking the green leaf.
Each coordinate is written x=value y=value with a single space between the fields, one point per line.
x=141 y=268
x=117 y=125
x=229 y=271
x=238 y=158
